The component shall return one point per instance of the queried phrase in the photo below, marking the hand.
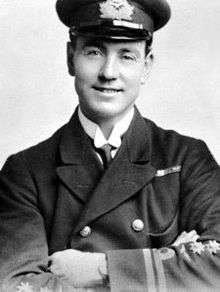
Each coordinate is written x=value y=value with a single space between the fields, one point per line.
x=79 y=269
x=186 y=237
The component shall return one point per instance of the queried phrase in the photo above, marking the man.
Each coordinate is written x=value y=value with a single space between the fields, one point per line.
x=111 y=202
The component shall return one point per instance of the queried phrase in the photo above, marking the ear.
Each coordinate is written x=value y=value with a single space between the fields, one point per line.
x=70 y=59
x=149 y=59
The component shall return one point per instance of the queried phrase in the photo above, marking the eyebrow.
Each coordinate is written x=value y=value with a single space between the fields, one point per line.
x=101 y=44
x=132 y=51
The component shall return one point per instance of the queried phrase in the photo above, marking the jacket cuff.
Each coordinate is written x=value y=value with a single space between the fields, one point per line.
x=138 y=270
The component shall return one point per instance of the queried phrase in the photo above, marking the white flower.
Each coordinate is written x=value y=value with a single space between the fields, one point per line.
x=197 y=247
x=212 y=247
x=24 y=287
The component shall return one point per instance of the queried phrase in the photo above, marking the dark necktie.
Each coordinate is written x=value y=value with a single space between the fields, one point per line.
x=105 y=153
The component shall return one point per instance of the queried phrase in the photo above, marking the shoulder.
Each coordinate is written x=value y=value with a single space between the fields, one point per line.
x=169 y=147
x=169 y=136
x=39 y=156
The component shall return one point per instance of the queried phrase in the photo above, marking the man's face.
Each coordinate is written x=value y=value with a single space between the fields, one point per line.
x=108 y=75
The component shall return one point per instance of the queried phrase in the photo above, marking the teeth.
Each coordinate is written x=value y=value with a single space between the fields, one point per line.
x=109 y=90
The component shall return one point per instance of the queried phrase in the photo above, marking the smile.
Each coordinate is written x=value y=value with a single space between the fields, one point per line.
x=107 y=90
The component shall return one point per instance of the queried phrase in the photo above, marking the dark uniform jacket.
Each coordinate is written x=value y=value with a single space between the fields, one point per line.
x=170 y=182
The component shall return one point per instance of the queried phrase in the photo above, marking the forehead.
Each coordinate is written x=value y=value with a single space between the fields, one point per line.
x=117 y=44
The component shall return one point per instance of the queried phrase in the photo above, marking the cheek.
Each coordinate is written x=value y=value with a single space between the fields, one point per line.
x=134 y=72
x=84 y=72
x=134 y=78
x=81 y=74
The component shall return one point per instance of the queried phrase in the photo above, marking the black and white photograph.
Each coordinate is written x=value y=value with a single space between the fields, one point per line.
x=109 y=146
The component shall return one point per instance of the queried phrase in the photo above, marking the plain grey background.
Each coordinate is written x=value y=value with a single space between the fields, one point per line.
x=37 y=95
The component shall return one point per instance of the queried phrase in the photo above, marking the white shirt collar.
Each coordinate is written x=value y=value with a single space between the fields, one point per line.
x=95 y=132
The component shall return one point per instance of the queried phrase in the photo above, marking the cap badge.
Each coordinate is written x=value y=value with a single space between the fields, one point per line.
x=116 y=9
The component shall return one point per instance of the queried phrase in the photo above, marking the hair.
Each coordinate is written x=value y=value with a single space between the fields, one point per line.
x=148 y=46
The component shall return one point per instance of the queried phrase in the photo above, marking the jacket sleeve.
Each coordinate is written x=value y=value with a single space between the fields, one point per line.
x=23 y=242
x=192 y=266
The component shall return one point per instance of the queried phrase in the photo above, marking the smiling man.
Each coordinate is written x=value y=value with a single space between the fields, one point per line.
x=110 y=202
x=108 y=74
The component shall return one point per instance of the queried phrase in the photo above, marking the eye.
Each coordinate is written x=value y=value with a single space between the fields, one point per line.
x=92 y=51
x=129 y=57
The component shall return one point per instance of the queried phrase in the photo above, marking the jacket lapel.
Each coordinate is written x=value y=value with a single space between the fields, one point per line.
x=80 y=169
x=128 y=173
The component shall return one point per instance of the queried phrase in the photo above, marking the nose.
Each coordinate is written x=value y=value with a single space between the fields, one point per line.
x=110 y=69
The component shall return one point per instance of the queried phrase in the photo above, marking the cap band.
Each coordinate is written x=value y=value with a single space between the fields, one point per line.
x=110 y=31
x=127 y=24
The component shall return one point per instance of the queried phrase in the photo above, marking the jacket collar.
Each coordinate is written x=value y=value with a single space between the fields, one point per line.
x=75 y=144
x=138 y=139
x=80 y=168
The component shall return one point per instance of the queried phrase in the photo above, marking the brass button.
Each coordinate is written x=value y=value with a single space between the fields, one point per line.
x=138 y=225
x=86 y=231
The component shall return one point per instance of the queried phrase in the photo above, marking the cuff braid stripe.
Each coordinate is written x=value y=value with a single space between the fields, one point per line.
x=154 y=271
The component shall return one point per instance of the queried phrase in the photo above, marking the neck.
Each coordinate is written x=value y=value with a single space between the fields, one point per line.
x=106 y=124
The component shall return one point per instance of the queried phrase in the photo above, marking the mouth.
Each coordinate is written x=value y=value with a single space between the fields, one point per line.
x=107 y=90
